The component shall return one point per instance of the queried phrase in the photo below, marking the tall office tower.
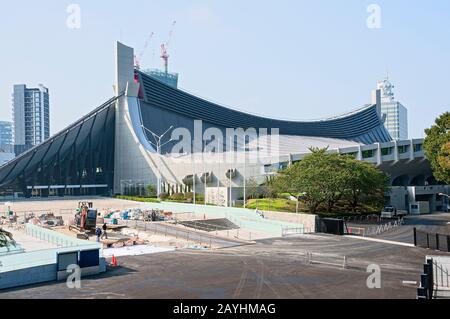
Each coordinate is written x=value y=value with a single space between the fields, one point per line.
x=394 y=113
x=31 y=114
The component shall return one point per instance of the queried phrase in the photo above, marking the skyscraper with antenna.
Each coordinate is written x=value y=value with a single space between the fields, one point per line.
x=395 y=115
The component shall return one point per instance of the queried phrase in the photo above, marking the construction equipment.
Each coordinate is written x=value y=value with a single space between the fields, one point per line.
x=138 y=59
x=85 y=220
x=165 y=47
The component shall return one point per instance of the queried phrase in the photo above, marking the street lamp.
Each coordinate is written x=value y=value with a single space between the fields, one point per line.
x=445 y=195
x=159 y=145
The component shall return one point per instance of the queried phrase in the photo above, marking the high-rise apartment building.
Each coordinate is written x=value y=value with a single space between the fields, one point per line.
x=6 y=142
x=6 y=133
x=31 y=114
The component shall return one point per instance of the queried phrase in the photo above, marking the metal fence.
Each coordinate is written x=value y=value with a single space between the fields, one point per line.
x=374 y=230
x=362 y=219
x=191 y=236
x=431 y=240
x=425 y=291
x=310 y=258
x=441 y=276
x=292 y=231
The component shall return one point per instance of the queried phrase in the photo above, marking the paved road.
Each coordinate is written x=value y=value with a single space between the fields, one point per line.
x=272 y=268
x=436 y=223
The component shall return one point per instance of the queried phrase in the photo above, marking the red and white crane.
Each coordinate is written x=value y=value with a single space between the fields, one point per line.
x=164 y=48
x=138 y=59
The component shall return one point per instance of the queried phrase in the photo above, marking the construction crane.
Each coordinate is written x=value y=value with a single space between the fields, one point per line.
x=138 y=59
x=164 y=48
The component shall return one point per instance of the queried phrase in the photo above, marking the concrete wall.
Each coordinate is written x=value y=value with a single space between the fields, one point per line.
x=28 y=276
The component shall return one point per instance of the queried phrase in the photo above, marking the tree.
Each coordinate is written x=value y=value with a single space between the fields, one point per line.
x=267 y=189
x=251 y=188
x=306 y=180
x=437 y=147
x=151 y=191
x=6 y=238
x=323 y=179
x=364 y=183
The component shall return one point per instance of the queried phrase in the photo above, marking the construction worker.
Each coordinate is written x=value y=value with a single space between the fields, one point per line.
x=83 y=218
x=98 y=233
x=104 y=235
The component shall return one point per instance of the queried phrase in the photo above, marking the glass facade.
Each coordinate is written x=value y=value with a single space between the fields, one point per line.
x=77 y=161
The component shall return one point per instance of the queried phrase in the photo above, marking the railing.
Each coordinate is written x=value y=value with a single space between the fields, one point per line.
x=58 y=239
x=362 y=218
x=289 y=231
x=203 y=239
x=322 y=259
x=441 y=276
x=46 y=256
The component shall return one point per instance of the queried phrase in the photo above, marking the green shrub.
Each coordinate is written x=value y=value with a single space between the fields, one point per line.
x=178 y=197
x=139 y=199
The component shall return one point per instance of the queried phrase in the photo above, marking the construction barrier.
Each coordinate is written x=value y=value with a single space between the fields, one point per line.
x=431 y=240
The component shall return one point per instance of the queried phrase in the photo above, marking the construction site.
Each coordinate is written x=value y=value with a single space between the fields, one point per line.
x=200 y=253
x=115 y=228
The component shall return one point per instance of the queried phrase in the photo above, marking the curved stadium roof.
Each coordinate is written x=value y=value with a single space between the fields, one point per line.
x=362 y=126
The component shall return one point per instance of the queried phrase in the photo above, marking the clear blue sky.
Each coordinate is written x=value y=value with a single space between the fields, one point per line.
x=286 y=59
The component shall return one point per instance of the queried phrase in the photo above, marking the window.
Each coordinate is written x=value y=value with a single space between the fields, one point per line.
x=386 y=151
x=368 y=154
x=418 y=147
x=403 y=149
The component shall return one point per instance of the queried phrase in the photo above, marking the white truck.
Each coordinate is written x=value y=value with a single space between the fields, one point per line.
x=392 y=212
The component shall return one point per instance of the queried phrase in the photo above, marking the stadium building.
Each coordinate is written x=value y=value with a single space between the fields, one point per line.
x=152 y=133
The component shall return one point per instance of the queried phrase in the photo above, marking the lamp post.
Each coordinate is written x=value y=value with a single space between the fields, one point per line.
x=448 y=200
x=298 y=200
x=159 y=145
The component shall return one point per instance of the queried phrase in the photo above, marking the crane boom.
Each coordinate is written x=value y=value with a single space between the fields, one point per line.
x=138 y=59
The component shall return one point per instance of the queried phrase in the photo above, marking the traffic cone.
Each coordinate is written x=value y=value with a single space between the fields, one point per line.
x=114 y=261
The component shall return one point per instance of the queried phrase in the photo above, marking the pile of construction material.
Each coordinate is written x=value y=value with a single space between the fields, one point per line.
x=123 y=242
x=48 y=220
x=136 y=214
